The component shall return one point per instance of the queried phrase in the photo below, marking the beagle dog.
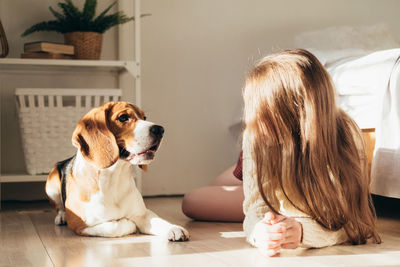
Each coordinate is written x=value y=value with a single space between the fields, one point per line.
x=94 y=192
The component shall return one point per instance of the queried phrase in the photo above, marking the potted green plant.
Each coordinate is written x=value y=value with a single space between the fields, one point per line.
x=80 y=27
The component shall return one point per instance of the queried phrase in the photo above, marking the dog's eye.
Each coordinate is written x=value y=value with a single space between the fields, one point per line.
x=123 y=118
x=144 y=118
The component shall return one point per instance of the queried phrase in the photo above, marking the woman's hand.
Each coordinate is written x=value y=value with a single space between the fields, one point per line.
x=275 y=232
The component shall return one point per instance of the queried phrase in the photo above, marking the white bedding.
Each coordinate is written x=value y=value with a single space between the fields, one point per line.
x=366 y=71
x=360 y=81
x=368 y=87
x=386 y=164
x=362 y=108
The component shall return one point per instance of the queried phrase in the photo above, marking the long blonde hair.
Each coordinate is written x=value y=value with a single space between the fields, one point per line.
x=305 y=147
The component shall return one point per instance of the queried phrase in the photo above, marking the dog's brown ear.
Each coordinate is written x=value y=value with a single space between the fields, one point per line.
x=94 y=139
x=143 y=167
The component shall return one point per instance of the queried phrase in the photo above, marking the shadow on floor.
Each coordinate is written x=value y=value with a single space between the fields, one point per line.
x=17 y=205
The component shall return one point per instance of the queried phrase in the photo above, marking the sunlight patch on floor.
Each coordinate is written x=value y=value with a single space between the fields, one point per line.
x=232 y=234
x=129 y=239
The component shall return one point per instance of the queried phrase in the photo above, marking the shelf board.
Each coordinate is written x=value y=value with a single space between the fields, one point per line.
x=17 y=178
x=60 y=64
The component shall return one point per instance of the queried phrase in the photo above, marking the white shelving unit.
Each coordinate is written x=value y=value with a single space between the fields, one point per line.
x=127 y=40
x=64 y=65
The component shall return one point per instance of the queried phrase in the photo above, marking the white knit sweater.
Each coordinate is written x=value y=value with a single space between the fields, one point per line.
x=314 y=235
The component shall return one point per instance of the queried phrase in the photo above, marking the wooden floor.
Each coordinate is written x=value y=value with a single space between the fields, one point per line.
x=28 y=237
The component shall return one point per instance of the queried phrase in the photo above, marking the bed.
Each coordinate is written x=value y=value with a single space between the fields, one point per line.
x=364 y=63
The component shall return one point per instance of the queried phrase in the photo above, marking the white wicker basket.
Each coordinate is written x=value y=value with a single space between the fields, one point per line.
x=47 y=118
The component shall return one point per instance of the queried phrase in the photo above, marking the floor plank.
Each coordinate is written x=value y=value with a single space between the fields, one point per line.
x=30 y=238
x=20 y=244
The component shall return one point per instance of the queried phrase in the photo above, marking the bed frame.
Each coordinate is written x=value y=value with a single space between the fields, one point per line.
x=369 y=138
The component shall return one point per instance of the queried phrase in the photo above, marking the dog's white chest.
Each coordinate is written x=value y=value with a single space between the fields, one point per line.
x=118 y=196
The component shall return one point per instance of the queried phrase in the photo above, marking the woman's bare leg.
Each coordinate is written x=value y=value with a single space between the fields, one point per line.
x=215 y=203
x=221 y=201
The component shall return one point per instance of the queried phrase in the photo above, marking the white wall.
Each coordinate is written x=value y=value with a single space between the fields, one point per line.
x=195 y=56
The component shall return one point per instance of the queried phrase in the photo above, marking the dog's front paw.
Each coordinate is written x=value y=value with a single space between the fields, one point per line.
x=60 y=218
x=178 y=233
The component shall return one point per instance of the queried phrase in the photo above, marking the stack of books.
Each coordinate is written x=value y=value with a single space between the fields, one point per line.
x=48 y=50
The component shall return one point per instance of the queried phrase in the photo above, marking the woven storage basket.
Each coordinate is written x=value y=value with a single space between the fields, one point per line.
x=87 y=44
x=47 y=118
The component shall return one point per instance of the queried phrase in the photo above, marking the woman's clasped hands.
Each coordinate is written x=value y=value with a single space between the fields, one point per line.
x=275 y=232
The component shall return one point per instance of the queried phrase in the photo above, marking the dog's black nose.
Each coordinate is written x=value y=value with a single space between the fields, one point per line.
x=157 y=131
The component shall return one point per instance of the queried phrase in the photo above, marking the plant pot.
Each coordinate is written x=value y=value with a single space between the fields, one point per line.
x=87 y=44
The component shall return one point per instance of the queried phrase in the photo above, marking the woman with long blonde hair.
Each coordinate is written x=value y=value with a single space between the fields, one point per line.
x=305 y=174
